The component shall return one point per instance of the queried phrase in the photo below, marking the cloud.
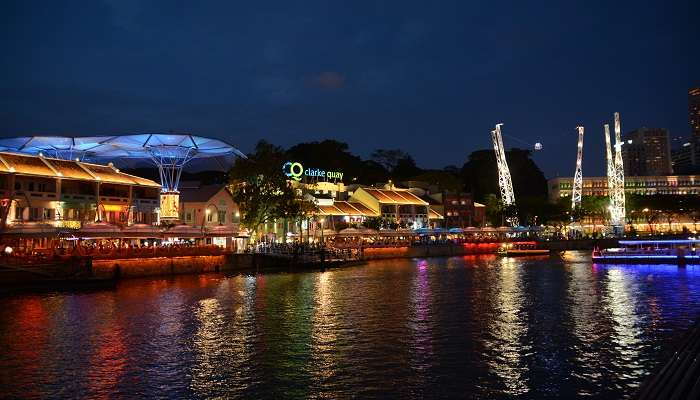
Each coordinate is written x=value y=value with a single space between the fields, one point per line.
x=329 y=80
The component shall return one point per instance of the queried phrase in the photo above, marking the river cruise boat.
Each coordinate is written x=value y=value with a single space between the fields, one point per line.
x=516 y=249
x=650 y=252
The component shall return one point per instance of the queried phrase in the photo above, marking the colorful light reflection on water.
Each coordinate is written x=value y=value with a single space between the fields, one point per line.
x=469 y=327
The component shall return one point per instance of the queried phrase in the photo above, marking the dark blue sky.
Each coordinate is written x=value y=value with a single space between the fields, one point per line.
x=431 y=78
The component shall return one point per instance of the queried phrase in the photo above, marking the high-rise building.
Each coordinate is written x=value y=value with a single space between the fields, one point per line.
x=686 y=151
x=684 y=158
x=694 y=111
x=647 y=151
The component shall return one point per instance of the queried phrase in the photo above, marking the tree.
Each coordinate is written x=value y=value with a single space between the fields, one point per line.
x=594 y=207
x=405 y=169
x=695 y=217
x=651 y=208
x=262 y=191
x=398 y=163
x=388 y=158
x=443 y=179
x=494 y=209
x=371 y=172
x=480 y=174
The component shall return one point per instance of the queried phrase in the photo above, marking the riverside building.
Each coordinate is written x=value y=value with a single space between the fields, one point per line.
x=68 y=194
x=641 y=185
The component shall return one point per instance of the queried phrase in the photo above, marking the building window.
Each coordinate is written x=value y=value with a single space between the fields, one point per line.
x=222 y=217
x=19 y=213
x=210 y=217
x=188 y=217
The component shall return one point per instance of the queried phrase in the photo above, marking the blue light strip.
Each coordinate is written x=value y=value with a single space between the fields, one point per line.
x=659 y=257
x=633 y=242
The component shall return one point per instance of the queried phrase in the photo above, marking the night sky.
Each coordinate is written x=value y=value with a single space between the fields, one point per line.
x=431 y=78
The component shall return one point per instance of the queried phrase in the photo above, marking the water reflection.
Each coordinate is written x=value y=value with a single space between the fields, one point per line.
x=326 y=348
x=626 y=335
x=585 y=314
x=475 y=327
x=420 y=322
x=507 y=329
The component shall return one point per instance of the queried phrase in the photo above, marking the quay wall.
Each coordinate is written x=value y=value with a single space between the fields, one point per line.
x=138 y=267
x=444 y=250
x=142 y=267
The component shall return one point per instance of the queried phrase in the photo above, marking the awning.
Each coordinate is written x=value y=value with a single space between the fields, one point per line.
x=31 y=229
x=183 y=231
x=141 y=231
x=221 y=231
x=99 y=230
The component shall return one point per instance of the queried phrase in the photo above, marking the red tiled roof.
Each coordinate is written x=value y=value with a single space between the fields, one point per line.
x=25 y=164
x=347 y=208
x=389 y=196
x=432 y=214
x=69 y=169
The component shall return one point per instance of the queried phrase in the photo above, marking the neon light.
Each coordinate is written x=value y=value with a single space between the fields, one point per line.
x=295 y=170
x=633 y=242
x=647 y=257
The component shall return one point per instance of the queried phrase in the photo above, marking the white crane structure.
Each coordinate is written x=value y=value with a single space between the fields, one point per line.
x=504 y=181
x=616 y=178
x=577 y=190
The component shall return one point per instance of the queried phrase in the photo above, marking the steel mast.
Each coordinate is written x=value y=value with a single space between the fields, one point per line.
x=505 y=183
x=616 y=178
x=577 y=190
x=609 y=159
x=618 y=193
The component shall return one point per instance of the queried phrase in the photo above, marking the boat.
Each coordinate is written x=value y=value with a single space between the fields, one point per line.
x=679 y=252
x=515 y=249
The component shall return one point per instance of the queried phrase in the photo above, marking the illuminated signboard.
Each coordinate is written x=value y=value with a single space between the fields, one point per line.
x=169 y=205
x=295 y=170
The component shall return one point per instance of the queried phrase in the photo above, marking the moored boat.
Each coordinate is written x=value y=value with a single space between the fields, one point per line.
x=515 y=249
x=650 y=252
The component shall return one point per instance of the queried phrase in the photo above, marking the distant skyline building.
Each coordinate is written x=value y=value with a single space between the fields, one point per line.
x=647 y=151
x=686 y=150
x=694 y=111
x=684 y=158
x=641 y=185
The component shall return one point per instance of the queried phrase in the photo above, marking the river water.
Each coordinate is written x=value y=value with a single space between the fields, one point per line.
x=468 y=327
